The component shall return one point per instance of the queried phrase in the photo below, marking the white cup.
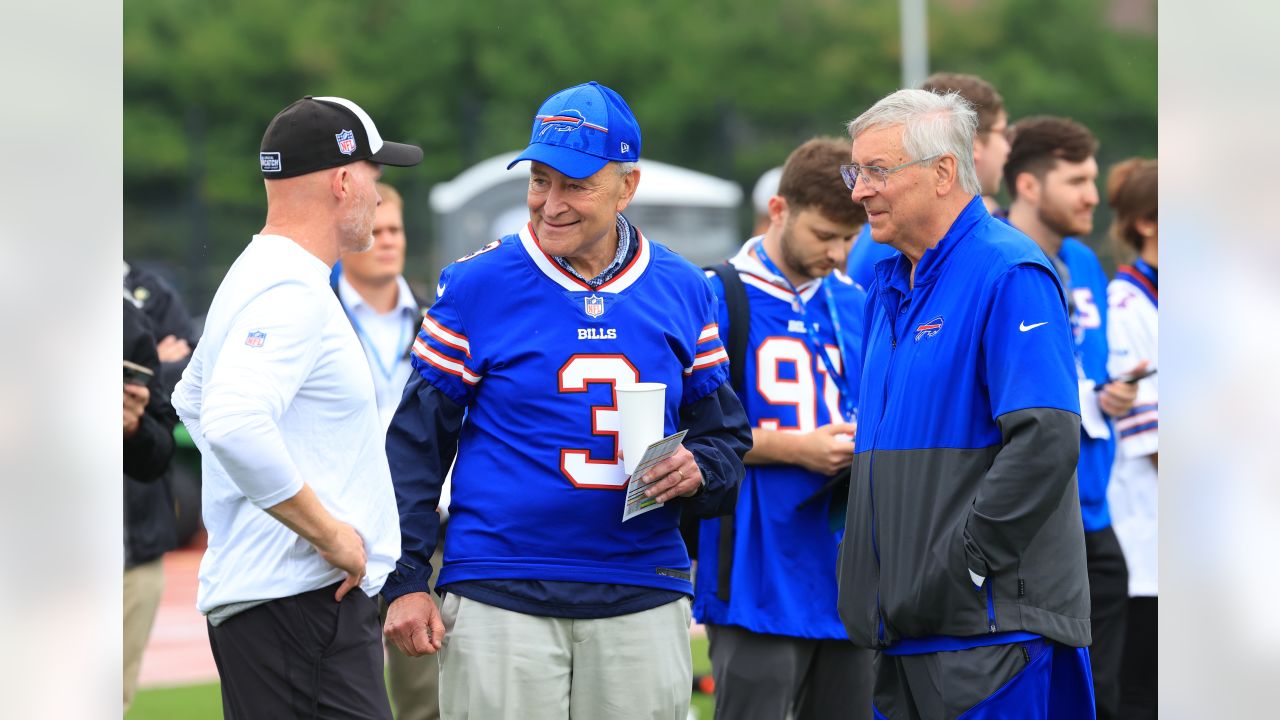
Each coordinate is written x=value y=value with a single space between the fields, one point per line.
x=641 y=407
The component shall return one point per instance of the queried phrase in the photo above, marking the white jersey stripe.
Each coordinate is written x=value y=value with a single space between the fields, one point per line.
x=768 y=287
x=445 y=336
x=444 y=364
x=715 y=357
x=1135 y=420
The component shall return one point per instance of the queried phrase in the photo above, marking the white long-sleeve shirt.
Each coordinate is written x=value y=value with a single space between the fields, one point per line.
x=277 y=393
x=1134 y=492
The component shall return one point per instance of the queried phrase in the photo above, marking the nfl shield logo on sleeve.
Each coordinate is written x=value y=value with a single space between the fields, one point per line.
x=256 y=339
x=594 y=305
x=346 y=142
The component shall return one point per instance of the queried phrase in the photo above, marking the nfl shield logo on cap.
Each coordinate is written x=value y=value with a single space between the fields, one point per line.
x=594 y=305
x=346 y=142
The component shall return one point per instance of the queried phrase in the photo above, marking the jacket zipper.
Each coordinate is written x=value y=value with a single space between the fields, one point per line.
x=991 y=607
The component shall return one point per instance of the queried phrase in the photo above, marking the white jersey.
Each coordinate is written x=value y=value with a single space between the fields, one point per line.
x=277 y=393
x=1134 y=493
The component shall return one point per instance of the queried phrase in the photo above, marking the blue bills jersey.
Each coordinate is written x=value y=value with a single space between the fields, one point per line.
x=535 y=355
x=783 y=580
x=1088 y=288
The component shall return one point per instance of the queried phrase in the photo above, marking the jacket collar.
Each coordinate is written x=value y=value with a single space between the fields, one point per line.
x=895 y=271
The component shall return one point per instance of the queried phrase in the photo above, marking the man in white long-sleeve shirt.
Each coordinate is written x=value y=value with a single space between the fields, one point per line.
x=298 y=502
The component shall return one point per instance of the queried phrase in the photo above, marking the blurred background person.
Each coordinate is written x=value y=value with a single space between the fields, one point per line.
x=175 y=332
x=383 y=309
x=385 y=314
x=765 y=188
x=149 y=523
x=990 y=149
x=1134 y=494
x=1051 y=174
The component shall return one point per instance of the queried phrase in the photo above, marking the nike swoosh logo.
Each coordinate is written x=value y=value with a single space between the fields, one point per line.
x=1023 y=326
x=439 y=290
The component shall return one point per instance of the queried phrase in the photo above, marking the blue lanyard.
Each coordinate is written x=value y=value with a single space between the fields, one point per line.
x=810 y=329
x=386 y=370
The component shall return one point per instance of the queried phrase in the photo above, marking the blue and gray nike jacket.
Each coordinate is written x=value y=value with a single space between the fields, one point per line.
x=968 y=439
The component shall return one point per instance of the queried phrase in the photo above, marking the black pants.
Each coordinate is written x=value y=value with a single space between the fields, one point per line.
x=304 y=656
x=1138 y=678
x=773 y=677
x=1109 y=597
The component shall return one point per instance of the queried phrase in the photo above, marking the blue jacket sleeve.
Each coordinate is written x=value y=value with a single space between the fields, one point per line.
x=422 y=441
x=719 y=436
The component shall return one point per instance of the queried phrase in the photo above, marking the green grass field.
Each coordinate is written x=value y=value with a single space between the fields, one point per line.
x=203 y=702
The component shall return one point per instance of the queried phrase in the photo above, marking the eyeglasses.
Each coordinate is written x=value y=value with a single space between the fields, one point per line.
x=870 y=173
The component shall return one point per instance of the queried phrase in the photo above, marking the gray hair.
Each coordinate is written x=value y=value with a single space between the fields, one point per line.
x=933 y=124
x=625 y=168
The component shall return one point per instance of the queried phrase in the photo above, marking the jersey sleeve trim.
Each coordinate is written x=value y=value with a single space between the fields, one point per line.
x=445 y=336
x=710 y=332
x=710 y=358
x=1143 y=418
x=443 y=364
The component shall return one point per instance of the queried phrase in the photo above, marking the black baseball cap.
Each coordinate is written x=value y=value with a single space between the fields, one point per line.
x=317 y=133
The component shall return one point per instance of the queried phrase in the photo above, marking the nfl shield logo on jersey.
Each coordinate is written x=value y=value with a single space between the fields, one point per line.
x=594 y=305
x=255 y=339
x=346 y=142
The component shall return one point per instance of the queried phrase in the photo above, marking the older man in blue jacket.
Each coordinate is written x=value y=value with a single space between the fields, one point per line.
x=963 y=562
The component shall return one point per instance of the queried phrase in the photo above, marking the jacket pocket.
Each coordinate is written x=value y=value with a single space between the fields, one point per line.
x=939 y=598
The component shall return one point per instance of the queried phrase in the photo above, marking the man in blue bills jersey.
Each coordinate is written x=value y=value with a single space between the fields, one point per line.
x=766 y=586
x=963 y=559
x=1052 y=174
x=554 y=606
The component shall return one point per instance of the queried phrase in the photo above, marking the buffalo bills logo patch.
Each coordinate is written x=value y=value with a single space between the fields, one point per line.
x=566 y=121
x=256 y=339
x=929 y=329
x=346 y=142
x=594 y=305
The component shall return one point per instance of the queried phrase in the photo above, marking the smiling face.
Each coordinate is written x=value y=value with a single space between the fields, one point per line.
x=576 y=219
x=899 y=210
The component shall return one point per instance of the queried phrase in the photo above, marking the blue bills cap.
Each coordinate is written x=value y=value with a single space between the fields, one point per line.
x=578 y=130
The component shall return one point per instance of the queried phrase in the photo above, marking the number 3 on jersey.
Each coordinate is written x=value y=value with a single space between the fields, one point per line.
x=575 y=375
x=800 y=389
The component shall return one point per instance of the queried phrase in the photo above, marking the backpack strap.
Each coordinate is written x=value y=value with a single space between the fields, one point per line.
x=739 y=307
x=735 y=299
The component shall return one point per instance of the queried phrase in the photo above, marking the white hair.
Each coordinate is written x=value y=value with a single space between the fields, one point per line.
x=933 y=124
x=625 y=168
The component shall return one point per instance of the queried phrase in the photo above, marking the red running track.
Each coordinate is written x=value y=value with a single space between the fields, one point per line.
x=178 y=651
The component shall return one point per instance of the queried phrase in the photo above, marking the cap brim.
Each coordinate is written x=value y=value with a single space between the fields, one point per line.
x=566 y=161
x=397 y=154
